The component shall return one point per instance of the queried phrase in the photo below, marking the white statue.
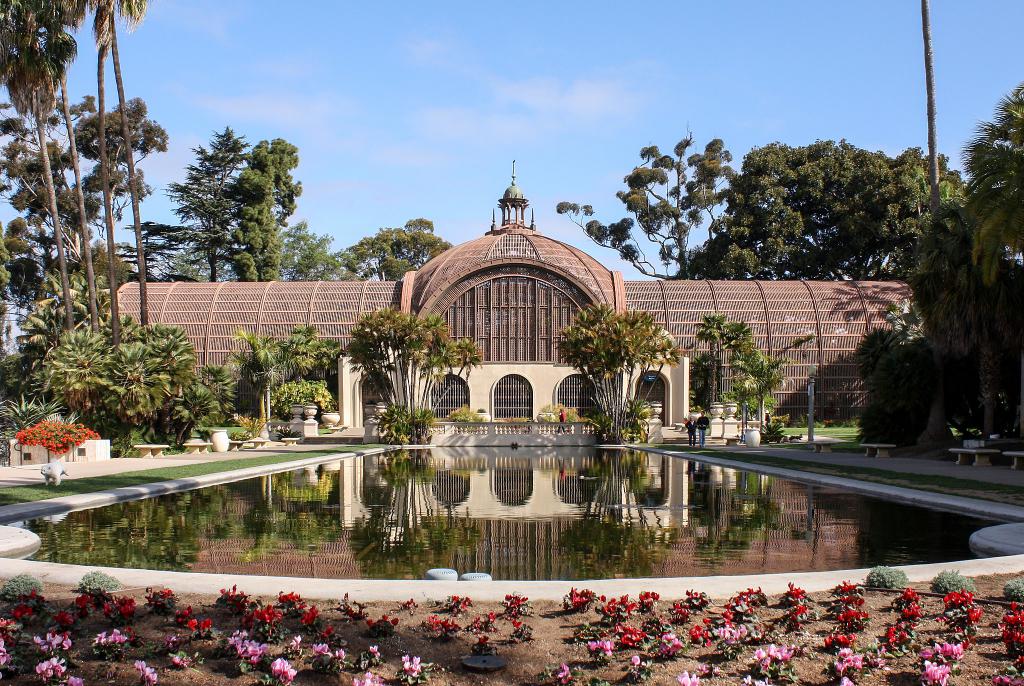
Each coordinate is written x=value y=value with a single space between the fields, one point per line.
x=53 y=472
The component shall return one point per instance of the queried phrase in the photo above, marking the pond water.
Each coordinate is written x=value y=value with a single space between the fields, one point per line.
x=524 y=514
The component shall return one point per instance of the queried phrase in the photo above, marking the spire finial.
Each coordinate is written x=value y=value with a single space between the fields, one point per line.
x=533 y=224
x=493 y=220
x=513 y=172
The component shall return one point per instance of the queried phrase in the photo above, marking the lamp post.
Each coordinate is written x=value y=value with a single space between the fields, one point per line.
x=811 y=377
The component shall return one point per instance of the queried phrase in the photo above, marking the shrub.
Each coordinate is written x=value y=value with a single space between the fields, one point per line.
x=887 y=577
x=98 y=582
x=1014 y=590
x=571 y=415
x=238 y=435
x=773 y=430
x=20 y=585
x=303 y=393
x=463 y=414
x=950 y=580
x=252 y=426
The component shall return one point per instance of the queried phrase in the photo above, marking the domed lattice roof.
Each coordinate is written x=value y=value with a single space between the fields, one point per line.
x=509 y=246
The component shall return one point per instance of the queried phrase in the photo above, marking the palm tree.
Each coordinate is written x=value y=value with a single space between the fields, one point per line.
x=723 y=336
x=35 y=50
x=929 y=78
x=759 y=375
x=262 y=362
x=132 y=12
x=83 y=224
x=78 y=369
x=101 y=31
x=962 y=311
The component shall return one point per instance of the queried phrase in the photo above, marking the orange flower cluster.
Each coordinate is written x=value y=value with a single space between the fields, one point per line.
x=57 y=437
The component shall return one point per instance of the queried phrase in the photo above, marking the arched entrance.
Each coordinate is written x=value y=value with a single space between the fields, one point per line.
x=651 y=388
x=577 y=392
x=512 y=398
x=449 y=395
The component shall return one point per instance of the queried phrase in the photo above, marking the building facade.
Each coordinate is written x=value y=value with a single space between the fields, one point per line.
x=513 y=291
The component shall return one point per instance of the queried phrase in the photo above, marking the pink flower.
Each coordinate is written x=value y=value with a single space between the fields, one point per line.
x=935 y=675
x=375 y=651
x=321 y=649
x=368 y=679
x=75 y=681
x=295 y=644
x=687 y=679
x=54 y=668
x=564 y=675
x=181 y=661
x=411 y=665
x=635 y=660
x=283 y=670
x=147 y=675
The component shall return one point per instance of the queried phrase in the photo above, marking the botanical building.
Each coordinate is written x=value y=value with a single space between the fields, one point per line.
x=513 y=291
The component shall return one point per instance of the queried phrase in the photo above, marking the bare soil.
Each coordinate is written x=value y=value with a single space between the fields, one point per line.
x=551 y=645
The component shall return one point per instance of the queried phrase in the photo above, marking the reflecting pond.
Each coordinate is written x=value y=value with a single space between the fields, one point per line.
x=517 y=514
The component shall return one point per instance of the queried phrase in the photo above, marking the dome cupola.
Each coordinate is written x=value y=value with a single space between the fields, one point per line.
x=513 y=206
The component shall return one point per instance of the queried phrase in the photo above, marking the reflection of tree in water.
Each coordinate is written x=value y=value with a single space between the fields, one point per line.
x=618 y=533
x=405 y=534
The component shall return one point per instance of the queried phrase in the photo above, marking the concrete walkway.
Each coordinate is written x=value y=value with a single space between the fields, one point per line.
x=908 y=465
x=28 y=475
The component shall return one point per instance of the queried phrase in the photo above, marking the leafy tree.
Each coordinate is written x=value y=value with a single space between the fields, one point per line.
x=405 y=356
x=390 y=253
x=306 y=256
x=263 y=363
x=994 y=160
x=308 y=353
x=896 y=367
x=205 y=202
x=823 y=211
x=757 y=377
x=963 y=312
x=723 y=338
x=614 y=351
x=265 y=194
x=669 y=196
x=35 y=50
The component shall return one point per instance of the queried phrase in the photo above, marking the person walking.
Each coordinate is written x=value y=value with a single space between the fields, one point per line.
x=561 y=420
x=691 y=432
x=703 y=424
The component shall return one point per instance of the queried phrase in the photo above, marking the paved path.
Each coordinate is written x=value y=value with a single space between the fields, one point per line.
x=27 y=475
x=908 y=465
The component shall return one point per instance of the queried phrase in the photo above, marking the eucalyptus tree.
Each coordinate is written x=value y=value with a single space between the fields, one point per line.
x=35 y=51
x=668 y=196
x=614 y=351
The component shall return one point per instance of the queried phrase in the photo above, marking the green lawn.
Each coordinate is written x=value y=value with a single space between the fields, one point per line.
x=24 y=494
x=970 y=488
x=846 y=434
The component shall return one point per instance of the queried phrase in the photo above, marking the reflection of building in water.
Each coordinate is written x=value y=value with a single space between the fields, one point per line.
x=539 y=514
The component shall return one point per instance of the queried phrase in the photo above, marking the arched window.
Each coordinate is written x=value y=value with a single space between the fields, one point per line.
x=577 y=392
x=513 y=397
x=652 y=389
x=449 y=395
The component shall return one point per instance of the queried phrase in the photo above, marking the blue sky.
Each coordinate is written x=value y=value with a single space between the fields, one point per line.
x=402 y=110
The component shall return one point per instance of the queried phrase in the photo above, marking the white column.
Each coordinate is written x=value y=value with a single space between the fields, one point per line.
x=679 y=392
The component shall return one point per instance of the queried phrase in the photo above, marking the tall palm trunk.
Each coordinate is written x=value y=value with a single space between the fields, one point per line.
x=108 y=209
x=83 y=224
x=133 y=189
x=929 y=77
x=936 y=429
x=58 y=232
x=988 y=368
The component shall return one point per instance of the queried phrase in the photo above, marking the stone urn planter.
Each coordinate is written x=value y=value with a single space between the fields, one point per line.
x=310 y=411
x=717 y=409
x=752 y=438
x=297 y=409
x=484 y=415
x=331 y=419
x=220 y=441
x=694 y=416
x=730 y=410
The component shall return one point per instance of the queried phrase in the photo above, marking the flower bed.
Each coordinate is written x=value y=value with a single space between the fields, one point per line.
x=57 y=437
x=850 y=636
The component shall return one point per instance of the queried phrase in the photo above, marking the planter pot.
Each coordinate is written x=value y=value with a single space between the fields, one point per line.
x=694 y=416
x=752 y=438
x=220 y=441
x=310 y=411
x=297 y=409
x=716 y=410
x=730 y=410
x=547 y=417
x=484 y=416
x=331 y=418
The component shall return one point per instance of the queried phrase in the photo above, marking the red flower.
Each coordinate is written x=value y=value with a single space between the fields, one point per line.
x=699 y=635
x=57 y=437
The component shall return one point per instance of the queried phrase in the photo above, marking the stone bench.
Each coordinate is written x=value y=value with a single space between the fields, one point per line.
x=877 y=449
x=151 y=449
x=732 y=440
x=291 y=441
x=1018 y=458
x=236 y=445
x=823 y=445
x=258 y=442
x=977 y=457
x=196 y=446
